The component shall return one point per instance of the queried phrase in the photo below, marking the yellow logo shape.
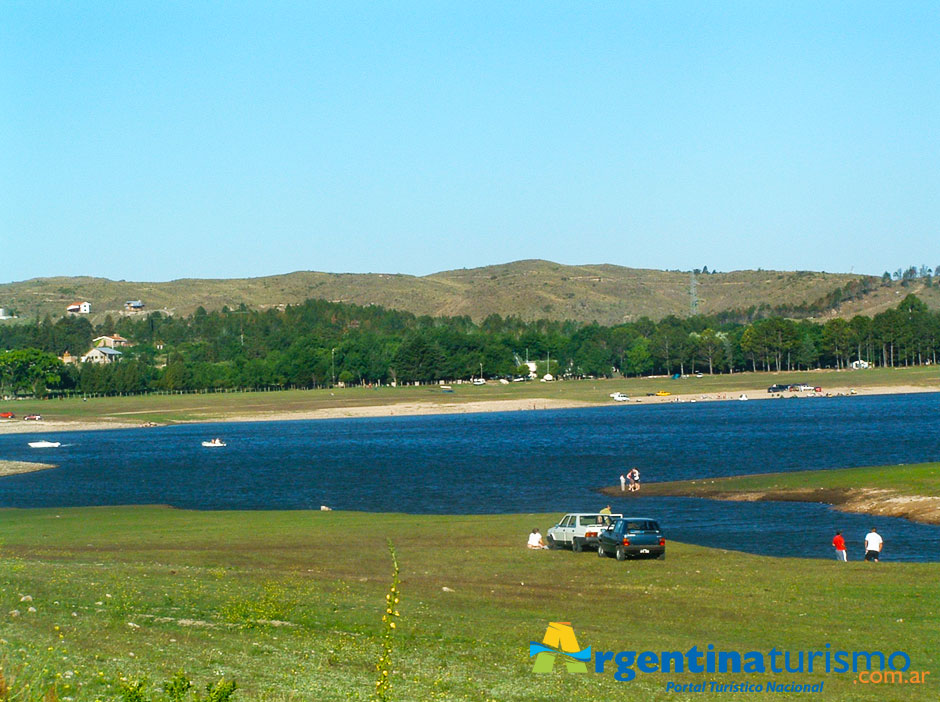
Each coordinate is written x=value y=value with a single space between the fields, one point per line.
x=559 y=640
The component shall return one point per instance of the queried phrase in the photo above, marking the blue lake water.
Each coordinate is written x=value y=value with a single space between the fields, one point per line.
x=535 y=461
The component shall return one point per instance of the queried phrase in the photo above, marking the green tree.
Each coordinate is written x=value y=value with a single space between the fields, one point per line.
x=806 y=353
x=639 y=360
x=29 y=369
x=712 y=347
x=837 y=336
x=418 y=359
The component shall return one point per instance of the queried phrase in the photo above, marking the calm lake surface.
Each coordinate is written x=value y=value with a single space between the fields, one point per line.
x=535 y=461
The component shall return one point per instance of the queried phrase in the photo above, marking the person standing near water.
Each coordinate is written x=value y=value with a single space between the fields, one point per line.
x=873 y=544
x=623 y=482
x=838 y=543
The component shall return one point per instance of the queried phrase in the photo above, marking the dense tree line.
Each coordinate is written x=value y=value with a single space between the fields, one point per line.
x=319 y=343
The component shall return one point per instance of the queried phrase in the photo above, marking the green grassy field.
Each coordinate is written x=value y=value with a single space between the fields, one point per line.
x=919 y=479
x=212 y=406
x=289 y=604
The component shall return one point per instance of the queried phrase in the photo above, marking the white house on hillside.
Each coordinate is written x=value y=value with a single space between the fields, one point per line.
x=79 y=308
x=112 y=342
x=102 y=354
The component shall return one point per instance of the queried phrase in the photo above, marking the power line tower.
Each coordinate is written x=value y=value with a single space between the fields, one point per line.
x=693 y=295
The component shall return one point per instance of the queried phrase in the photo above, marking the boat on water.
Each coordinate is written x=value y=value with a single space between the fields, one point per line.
x=215 y=443
x=45 y=444
x=743 y=397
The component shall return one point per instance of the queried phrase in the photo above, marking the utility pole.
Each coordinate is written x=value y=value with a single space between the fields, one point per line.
x=693 y=297
x=333 y=365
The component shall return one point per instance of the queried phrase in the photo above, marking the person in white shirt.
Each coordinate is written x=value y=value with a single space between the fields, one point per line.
x=623 y=482
x=873 y=544
x=634 y=480
x=535 y=540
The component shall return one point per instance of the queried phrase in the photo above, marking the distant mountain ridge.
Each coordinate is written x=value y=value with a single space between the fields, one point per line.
x=530 y=289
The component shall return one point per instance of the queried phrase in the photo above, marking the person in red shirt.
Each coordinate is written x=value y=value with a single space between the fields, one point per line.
x=838 y=543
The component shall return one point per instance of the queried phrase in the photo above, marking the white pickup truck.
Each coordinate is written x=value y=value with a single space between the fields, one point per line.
x=579 y=530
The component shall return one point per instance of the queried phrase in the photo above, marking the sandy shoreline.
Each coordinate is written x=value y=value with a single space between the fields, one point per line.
x=54 y=427
x=17 y=467
x=429 y=408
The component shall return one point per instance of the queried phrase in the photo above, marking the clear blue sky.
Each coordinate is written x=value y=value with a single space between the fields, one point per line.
x=158 y=140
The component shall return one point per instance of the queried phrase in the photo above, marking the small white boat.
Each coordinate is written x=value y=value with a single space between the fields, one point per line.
x=215 y=443
x=743 y=397
x=45 y=444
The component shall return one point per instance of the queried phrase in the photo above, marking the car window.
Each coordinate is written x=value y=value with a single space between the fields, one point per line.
x=566 y=521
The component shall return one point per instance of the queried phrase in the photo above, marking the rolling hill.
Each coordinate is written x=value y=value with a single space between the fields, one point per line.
x=529 y=289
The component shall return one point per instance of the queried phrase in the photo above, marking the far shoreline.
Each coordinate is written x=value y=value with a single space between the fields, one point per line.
x=425 y=408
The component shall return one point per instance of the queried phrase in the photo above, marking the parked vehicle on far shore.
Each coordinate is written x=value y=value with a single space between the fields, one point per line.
x=579 y=530
x=33 y=418
x=632 y=537
x=7 y=415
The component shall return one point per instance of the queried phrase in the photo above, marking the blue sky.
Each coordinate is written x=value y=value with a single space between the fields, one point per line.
x=151 y=141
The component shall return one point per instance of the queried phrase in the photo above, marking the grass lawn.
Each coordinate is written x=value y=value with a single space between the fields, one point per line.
x=209 y=406
x=289 y=604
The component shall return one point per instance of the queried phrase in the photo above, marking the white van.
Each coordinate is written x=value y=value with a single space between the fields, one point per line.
x=579 y=530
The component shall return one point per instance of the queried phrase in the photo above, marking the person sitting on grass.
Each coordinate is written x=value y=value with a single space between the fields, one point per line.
x=535 y=540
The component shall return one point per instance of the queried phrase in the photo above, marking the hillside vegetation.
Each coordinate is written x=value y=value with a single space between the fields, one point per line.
x=530 y=290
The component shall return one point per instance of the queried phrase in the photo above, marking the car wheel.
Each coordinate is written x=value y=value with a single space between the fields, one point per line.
x=601 y=552
x=552 y=544
x=661 y=557
x=576 y=545
x=621 y=554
